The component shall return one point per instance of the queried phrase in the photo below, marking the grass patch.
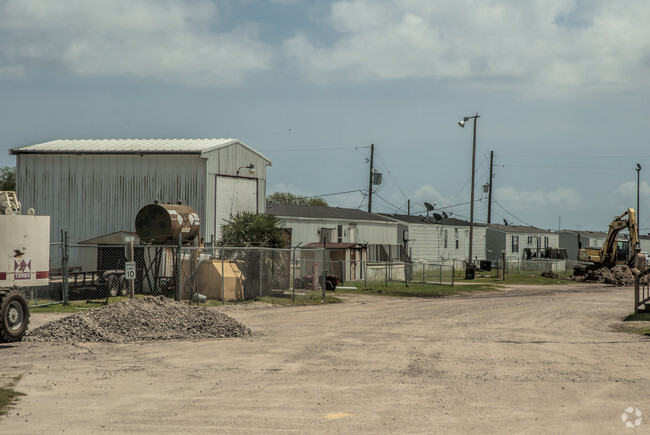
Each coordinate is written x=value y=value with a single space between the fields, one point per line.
x=524 y=278
x=74 y=306
x=640 y=317
x=8 y=396
x=308 y=299
x=419 y=290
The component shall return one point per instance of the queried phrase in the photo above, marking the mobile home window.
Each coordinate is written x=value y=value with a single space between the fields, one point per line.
x=515 y=243
x=456 y=236
x=445 y=239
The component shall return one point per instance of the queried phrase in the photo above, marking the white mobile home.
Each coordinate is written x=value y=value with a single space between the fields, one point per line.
x=446 y=239
x=313 y=224
x=518 y=242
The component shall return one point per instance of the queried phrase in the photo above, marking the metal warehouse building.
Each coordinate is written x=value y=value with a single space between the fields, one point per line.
x=95 y=187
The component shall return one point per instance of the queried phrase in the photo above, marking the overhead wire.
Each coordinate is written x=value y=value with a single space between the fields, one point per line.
x=504 y=209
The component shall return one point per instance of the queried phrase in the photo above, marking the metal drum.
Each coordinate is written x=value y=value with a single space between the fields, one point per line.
x=162 y=223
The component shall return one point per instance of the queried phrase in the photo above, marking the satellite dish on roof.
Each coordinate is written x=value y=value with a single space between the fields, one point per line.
x=437 y=217
x=505 y=222
x=445 y=215
x=428 y=206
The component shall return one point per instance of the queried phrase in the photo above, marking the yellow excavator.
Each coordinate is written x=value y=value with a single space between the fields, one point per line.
x=610 y=255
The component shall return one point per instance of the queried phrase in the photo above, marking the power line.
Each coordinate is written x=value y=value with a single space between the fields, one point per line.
x=566 y=167
x=336 y=193
x=391 y=175
x=311 y=149
x=503 y=208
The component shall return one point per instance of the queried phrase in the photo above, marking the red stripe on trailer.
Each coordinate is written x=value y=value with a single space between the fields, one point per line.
x=43 y=275
x=3 y=276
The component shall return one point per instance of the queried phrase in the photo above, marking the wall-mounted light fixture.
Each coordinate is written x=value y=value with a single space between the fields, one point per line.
x=250 y=167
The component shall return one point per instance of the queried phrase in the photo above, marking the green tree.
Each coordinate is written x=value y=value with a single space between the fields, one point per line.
x=252 y=229
x=290 y=198
x=8 y=178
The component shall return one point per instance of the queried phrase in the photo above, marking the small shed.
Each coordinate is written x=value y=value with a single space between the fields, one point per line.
x=344 y=260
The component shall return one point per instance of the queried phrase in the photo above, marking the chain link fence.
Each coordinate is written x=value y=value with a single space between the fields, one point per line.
x=88 y=272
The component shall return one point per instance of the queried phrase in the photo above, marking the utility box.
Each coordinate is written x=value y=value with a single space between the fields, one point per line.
x=208 y=277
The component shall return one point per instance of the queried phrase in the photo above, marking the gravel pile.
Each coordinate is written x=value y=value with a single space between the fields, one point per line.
x=150 y=318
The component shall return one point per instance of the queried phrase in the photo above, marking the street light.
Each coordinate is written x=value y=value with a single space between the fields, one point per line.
x=470 y=266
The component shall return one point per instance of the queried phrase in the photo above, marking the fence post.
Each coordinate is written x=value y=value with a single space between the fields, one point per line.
x=64 y=266
x=364 y=267
x=223 y=285
x=179 y=266
x=637 y=280
x=293 y=275
x=453 y=273
x=261 y=271
x=386 y=270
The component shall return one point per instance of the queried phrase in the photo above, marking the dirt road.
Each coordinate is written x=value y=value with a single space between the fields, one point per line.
x=536 y=359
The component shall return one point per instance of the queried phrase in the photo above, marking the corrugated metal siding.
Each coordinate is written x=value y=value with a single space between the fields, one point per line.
x=226 y=161
x=93 y=195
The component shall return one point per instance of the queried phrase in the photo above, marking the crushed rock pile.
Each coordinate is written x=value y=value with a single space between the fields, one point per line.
x=620 y=275
x=149 y=318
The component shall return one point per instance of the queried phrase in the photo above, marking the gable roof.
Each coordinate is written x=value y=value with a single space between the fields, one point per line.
x=519 y=229
x=321 y=212
x=130 y=146
x=412 y=219
x=594 y=234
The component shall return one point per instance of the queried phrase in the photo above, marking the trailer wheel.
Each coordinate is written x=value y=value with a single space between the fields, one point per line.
x=14 y=317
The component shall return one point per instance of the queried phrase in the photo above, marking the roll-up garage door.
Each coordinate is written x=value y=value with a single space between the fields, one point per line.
x=233 y=195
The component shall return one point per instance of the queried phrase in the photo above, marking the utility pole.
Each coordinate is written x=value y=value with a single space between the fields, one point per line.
x=409 y=207
x=372 y=155
x=638 y=178
x=489 y=217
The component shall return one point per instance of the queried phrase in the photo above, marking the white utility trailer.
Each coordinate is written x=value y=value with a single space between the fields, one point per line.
x=24 y=262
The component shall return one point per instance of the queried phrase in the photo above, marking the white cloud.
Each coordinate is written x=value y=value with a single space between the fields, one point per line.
x=548 y=43
x=628 y=189
x=167 y=40
x=538 y=200
x=429 y=194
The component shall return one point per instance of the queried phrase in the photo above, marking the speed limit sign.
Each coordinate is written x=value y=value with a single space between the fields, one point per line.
x=129 y=270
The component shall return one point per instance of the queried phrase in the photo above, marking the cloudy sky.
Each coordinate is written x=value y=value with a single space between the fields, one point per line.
x=562 y=89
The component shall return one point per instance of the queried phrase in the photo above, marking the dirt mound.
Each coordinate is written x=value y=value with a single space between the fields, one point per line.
x=617 y=275
x=620 y=275
x=150 y=318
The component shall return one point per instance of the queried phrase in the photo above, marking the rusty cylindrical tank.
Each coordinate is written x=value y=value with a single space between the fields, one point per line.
x=161 y=223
